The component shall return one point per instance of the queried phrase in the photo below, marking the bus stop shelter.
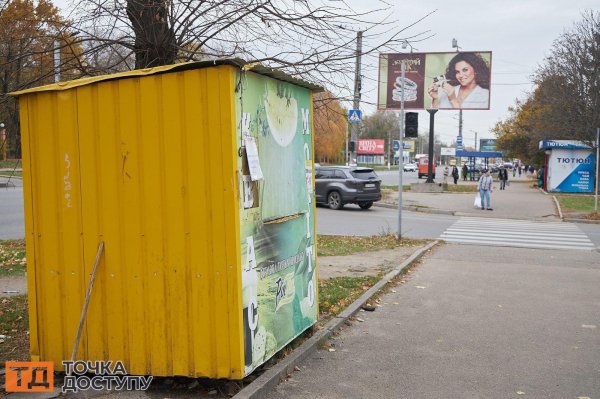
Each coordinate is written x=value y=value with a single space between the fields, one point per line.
x=473 y=155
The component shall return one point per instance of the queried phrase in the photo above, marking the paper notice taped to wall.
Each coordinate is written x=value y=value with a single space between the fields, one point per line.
x=253 y=161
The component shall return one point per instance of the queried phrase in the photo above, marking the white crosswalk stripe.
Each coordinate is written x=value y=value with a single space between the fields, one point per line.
x=517 y=233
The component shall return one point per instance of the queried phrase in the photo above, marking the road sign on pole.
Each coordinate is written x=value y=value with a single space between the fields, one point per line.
x=459 y=142
x=354 y=115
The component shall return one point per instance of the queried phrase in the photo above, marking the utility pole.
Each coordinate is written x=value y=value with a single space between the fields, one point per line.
x=475 y=141
x=357 y=86
x=430 y=163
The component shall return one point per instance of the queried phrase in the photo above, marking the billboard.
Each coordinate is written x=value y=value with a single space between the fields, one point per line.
x=448 y=151
x=371 y=147
x=435 y=80
x=487 y=144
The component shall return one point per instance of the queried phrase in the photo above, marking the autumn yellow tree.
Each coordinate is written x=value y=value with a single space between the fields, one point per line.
x=331 y=127
x=29 y=32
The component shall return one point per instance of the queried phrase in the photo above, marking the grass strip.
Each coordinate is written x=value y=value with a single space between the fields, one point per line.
x=12 y=258
x=348 y=245
x=337 y=293
x=14 y=325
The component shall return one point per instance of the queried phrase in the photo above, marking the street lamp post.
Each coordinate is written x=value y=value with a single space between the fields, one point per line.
x=3 y=141
x=401 y=150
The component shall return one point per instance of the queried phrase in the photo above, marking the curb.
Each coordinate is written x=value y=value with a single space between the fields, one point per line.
x=260 y=387
x=560 y=214
x=415 y=208
x=586 y=221
x=572 y=220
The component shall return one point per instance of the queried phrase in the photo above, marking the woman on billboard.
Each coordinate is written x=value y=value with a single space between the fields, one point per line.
x=466 y=84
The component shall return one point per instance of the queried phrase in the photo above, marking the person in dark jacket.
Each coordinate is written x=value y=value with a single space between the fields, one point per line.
x=455 y=174
x=465 y=172
x=503 y=177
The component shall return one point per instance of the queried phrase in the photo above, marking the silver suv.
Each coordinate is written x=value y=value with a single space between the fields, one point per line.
x=340 y=185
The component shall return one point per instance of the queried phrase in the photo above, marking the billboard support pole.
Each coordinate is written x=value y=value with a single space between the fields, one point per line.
x=401 y=151
x=430 y=171
x=597 y=162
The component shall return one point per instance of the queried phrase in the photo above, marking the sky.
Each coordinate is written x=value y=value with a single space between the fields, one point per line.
x=520 y=33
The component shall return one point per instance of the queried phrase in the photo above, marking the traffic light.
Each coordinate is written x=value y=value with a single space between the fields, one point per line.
x=411 y=125
x=352 y=146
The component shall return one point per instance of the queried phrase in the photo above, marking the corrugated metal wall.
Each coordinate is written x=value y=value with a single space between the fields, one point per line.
x=147 y=164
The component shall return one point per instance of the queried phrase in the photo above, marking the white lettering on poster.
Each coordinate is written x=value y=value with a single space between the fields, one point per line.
x=309 y=254
x=305 y=121
x=248 y=192
x=250 y=254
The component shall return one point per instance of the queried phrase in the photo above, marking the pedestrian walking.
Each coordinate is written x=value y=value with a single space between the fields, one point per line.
x=455 y=174
x=484 y=185
x=446 y=172
x=514 y=171
x=503 y=177
x=465 y=172
x=519 y=170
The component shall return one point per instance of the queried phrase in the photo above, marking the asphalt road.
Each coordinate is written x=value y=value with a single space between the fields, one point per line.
x=12 y=225
x=390 y=177
x=352 y=220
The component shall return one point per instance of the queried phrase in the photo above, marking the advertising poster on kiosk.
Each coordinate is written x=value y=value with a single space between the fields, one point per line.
x=279 y=282
x=571 y=166
x=435 y=80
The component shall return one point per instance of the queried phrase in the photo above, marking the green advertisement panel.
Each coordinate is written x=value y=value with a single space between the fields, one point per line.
x=274 y=120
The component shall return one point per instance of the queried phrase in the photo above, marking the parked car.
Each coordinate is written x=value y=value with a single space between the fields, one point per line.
x=336 y=186
x=410 y=167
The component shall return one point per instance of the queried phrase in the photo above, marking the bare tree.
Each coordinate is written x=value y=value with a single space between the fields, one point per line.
x=313 y=39
x=569 y=82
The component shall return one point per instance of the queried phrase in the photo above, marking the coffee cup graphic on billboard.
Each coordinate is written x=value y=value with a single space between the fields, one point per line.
x=411 y=85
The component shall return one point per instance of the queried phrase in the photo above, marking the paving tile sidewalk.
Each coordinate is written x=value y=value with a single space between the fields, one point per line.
x=521 y=324
x=520 y=200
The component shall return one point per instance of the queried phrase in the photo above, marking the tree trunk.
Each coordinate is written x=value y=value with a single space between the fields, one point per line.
x=155 y=42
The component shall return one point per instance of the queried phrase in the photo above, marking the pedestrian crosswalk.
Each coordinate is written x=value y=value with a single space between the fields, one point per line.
x=517 y=233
